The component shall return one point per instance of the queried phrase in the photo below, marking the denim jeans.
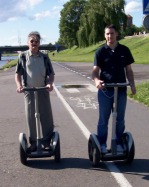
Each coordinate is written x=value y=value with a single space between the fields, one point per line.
x=106 y=99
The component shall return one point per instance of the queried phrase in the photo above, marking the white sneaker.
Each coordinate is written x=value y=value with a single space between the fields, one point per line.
x=120 y=148
x=103 y=149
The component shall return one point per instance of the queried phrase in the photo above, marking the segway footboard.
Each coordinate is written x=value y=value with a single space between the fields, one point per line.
x=53 y=150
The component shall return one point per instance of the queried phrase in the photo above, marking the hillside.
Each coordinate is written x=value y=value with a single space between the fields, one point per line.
x=139 y=46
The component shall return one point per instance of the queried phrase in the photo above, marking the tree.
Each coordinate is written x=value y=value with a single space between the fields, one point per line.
x=91 y=25
x=70 y=22
x=82 y=22
x=130 y=31
x=97 y=14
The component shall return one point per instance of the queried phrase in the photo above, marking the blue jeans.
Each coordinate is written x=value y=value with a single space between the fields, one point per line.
x=106 y=99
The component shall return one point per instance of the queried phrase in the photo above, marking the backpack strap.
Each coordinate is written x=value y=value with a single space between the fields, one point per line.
x=23 y=59
x=46 y=68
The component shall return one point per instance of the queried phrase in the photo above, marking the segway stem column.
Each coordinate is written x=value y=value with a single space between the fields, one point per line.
x=114 y=114
x=38 y=124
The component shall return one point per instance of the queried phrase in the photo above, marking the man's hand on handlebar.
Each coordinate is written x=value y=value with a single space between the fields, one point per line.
x=133 y=89
x=49 y=87
x=20 y=89
x=98 y=83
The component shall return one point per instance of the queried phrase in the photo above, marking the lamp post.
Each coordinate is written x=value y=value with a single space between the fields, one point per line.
x=121 y=28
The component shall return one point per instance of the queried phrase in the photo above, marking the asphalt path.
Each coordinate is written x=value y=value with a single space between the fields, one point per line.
x=75 y=112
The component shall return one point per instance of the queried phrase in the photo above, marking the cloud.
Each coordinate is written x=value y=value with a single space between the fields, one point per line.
x=63 y=1
x=12 y=9
x=39 y=16
x=133 y=6
x=10 y=40
x=34 y=2
x=55 y=12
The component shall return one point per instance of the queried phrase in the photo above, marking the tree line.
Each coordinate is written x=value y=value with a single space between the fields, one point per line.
x=82 y=22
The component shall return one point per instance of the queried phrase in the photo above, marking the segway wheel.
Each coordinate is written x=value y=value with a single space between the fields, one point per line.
x=96 y=157
x=131 y=154
x=23 y=156
x=130 y=148
x=90 y=150
x=93 y=152
x=57 y=155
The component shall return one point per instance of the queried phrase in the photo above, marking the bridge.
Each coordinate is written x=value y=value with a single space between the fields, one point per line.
x=49 y=47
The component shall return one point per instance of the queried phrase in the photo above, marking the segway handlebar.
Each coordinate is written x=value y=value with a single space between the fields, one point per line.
x=34 y=88
x=115 y=84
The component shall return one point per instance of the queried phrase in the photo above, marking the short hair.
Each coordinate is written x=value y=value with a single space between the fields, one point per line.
x=34 y=33
x=111 y=27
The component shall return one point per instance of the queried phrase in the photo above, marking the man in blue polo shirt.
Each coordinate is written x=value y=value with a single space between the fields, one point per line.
x=112 y=64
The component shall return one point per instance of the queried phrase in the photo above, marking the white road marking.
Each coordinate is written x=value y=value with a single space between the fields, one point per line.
x=86 y=102
x=119 y=177
x=83 y=128
x=89 y=77
x=72 y=90
x=92 y=88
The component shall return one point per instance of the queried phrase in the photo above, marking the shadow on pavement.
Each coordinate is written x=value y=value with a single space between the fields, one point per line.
x=139 y=167
x=78 y=163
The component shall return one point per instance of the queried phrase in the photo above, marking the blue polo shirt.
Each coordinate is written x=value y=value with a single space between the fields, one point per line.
x=113 y=62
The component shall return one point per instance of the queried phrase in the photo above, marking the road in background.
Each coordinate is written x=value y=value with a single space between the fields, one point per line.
x=75 y=168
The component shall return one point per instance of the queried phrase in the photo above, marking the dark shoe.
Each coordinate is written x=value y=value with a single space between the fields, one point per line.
x=103 y=149
x=32 y=148
x=46 y=145
x=120 y=148
x=48 y=148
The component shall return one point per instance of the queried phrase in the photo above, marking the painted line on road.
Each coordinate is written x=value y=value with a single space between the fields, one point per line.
x=92 y=88
x=73 y=90
x=83 y=75
x=83 y=128
x=119 y=177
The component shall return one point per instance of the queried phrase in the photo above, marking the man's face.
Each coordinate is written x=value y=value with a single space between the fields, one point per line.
x=33 y=43
x=110 y=35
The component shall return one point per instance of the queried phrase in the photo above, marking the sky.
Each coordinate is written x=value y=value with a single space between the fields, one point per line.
x=19 y=17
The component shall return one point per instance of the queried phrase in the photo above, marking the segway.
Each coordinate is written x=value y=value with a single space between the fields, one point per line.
x=54 y=143
x=94 y=148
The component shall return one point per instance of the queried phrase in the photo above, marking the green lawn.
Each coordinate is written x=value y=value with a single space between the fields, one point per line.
x=139 y=47
x=142 y=95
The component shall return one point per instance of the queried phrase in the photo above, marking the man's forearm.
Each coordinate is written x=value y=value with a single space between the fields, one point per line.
x=18 y=80
x=50 y=79
x=130 y=77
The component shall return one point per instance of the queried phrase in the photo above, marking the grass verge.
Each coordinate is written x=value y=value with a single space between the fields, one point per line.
x=138 y=46
x=142 y=95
